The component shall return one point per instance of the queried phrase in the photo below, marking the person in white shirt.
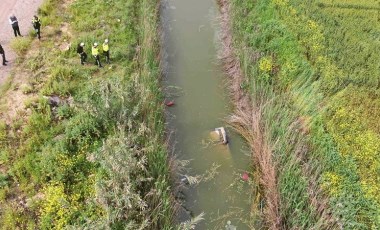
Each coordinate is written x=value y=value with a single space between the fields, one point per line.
x=13 y=21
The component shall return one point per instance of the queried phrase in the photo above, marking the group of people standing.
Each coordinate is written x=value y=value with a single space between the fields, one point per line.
x=36 y=22
x=95 y=52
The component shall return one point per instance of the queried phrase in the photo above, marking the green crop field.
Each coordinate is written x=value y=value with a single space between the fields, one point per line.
x=323 y=57
x=351 y=4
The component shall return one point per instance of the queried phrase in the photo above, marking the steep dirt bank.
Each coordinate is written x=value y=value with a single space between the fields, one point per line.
x=24 y=11
x=247 y=121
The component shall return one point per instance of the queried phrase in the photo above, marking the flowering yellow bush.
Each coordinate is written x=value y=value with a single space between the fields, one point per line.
x=266 y=64
x=331 y=183
x=56 y=208
x=363 y=145
x=280 y=2
x=368 y=155
x=313 y=38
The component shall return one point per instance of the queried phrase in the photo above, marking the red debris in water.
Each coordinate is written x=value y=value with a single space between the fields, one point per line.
x=245 y=176
x=170 y=103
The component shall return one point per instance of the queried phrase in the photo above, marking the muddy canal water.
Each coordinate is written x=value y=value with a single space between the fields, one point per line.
x=195 y=81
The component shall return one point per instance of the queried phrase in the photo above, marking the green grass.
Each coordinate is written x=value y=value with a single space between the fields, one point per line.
x=311 y=50
x=5 y=86
x=99 y=159
x=21 y=45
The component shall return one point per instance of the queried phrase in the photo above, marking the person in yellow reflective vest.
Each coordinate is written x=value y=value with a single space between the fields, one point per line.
x=37 y=25
x=106 y=51
x=95 y=53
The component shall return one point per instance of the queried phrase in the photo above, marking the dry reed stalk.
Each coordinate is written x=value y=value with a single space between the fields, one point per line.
x=249 y=125
x=247 y=121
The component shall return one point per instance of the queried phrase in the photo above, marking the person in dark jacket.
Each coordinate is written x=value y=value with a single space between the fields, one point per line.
x=13 y=21
x=82 y=53
x=3 y=55
x=37 y=25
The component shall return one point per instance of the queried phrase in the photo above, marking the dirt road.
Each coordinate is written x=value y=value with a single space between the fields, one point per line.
x=24 y=11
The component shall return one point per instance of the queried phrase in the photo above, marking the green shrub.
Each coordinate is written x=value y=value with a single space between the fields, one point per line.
x=53 y=153
x=56 y=208
x=3 y=180
x=21 y=45
x=3 y=132
x=9 y=217
x=64 y=112
x=26 y=88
